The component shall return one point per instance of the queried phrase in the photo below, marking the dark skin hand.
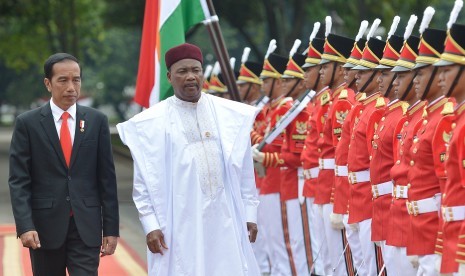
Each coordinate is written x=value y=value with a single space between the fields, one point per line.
x=156 y=241
x=253 y=230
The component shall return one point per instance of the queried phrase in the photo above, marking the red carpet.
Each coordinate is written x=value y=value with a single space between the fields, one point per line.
x=15 y=258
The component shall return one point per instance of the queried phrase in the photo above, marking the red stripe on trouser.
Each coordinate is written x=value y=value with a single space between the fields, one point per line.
x=379 y=260
x=286 y=237
x=348 y=255
x=307 y=237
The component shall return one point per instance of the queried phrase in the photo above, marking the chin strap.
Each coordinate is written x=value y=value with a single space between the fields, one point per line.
x=430 y=81
x=388 y=90
x=247 y=93
x=271 y=90
x=332 y=74
x=409 y=87
x=368 y=82
x=293 y=87
x=456 y=80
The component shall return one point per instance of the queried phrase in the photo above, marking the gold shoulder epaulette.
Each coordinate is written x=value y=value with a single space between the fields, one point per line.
x=448 y=109
x=361 y=96
x=325 y=98
x=405 y=106
x=380 y=102
x=344 y=94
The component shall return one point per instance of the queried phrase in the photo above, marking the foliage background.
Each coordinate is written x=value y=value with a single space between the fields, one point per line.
x=105 y=35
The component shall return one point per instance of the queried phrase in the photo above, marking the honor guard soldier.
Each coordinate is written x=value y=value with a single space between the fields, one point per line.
x=337 y=50
x=295 y=220
x=309 y=157
x=424 y=193
x=452 y=81
x=249 y=85
x=360 y=203
x=341 y=126
x=380 y=135
x=275 y=229
x=403 y=87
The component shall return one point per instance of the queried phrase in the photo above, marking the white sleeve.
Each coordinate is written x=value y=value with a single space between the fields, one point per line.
x=248 y=187
x=140 y=193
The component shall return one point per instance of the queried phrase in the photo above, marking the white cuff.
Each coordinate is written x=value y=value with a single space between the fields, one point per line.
x=251 y=213
x=149 y=223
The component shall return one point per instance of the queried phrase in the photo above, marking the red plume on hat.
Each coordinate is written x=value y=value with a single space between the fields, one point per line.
x=183 y=51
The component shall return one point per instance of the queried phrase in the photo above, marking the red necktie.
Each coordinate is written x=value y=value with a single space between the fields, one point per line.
x=65 y=138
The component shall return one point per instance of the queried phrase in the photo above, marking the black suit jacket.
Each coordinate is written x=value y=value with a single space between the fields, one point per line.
x=43 y=190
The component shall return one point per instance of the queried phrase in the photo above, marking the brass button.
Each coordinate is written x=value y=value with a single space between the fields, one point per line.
x=412 y=162
x=370 y=157
x=353 y=137
x=321 y=134
x=443 y=195
x=319 y=150
x=453 y=125
x=207 y=134
x=361 y=111
x=415 y=150
x=397 y=162
x=305 y=147
x=406 y=124
x=384 y=118
x=415 y=140
x=425 y=122
x=408 y=185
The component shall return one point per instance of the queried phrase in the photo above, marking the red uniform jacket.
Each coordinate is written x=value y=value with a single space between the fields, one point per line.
x=257 y=134
x=454 y=193
x=423 y=182
x=325 y=146
x=272 y=181
x=358 y=159
x=383 y=123
x=400 y=220
x=341 y=136
x=310 y=155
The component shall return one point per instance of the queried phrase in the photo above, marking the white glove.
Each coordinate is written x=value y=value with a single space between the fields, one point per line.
x=300 y=186
x=336 y=221
x=354 y=227
x=413 y=259
x=461 y=269
x=257 y=155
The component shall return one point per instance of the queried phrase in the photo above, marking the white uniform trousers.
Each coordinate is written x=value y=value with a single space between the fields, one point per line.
x=427 y=265
x=335 y=243
x=388 y=259
x=296 y=236
x=260 y=247
x=368 y=248
x=321 y=263
x=273 y=228
x=403 y=266
x=355 y=247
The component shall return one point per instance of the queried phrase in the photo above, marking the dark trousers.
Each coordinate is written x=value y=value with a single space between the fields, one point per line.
x=73 y=255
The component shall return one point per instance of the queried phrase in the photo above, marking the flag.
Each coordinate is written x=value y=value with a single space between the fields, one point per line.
x=165 y=25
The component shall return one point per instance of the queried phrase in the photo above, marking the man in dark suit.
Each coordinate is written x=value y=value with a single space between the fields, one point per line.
x=62 y=178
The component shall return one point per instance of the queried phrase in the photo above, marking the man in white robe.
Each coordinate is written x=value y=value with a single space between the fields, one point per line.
x=194 y=184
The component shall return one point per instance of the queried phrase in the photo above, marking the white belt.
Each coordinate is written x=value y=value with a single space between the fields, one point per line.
x=381 y=189
x=300 y=173
x=455 y=213
x=359 y=177
x=326 y=164
x=311 y=173
x=400 y=191
x=341 y=171
x=422 y=206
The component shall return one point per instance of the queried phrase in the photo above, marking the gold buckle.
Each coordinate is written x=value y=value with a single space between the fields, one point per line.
x=375 y=191
x=409 y=207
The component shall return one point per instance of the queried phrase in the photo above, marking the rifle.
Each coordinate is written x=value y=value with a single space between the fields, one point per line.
x=287 y=118
x=261 y=102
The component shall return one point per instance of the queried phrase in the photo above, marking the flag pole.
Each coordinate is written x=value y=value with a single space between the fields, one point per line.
x=214 y=30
